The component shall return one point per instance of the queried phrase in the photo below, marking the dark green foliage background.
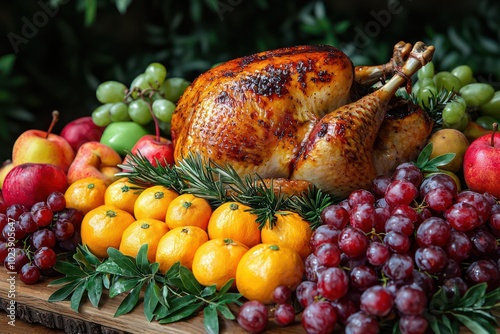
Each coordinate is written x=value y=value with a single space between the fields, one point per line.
x=89 y=41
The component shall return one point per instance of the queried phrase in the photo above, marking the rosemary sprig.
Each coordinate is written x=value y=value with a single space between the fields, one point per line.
x=435 y=104
x=167 y=298
x=199 y=179
x=310 y=205
x=142 y=173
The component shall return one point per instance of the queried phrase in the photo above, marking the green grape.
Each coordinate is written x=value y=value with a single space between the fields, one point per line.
x=426 y=82
x=425 y=94
x=119 y=112
x=173 y=88
x=426 y=71
x=100 y=116
x=138 y=111
x=415 y=88
x=486 y=122
x=453 y=112
x=110 y=92
x=157 y=73
x=459 y=99
x=163 y=109
x=165 y=127
x=492 y=107
x=460 y=125
x=140 y=83
x=463 y=73
x=447 y=81
x=477 y=94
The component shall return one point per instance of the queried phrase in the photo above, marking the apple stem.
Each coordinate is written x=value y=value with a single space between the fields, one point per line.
x=55 y=118
x=157 y=126
x=495 y=128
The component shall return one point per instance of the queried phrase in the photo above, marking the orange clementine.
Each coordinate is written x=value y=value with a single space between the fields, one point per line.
x=103 y=227
x=265 y=267
x=233 y=220
x=179 y=245
x=122 y=194
x=143 y=231
x=290 y=231
x=153 y=202
x=85 y=194
x=215 y=261
x=188 y=210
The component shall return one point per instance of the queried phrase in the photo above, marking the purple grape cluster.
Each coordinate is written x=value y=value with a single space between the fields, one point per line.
x=382 y=253
x=31 y=238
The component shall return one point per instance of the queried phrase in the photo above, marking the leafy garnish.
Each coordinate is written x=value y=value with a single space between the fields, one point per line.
x=426 y=164
x=175 y=296
x=446 y=314
x=311 y=205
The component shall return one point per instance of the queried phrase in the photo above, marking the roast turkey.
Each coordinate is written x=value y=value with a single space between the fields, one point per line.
x=305 y=114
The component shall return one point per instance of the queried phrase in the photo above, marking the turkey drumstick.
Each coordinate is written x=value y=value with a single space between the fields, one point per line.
x=338 y=155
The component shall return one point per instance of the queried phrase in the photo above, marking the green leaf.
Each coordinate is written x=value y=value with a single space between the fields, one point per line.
x=424 y=155
x=69 y=269
x=208 y=291
x=441 y=160
x=84 y=254
x=492 y=298
x=226 y=311
x=181 y=302
x=122 y=5
x=142 y=259
x=77 y=295
x=65 y=279
x=121 y=285
x=63 y=293
x=150 y=300
x=126 y=263
x=154 y=267
x=225 y=288
x=94 y=288
x=129 y=302
x=182 y=313
x=229 y=298
x=189 y=282
x=90 y=11
x=211 y=320
x=7 y=63
x=471 y=324
x=472 y=296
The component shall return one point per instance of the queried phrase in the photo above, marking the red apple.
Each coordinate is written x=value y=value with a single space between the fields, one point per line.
x=3 y=206
x=156 y=151
x=482 y=164
x=43 y=147
x=95 y=159
x=81 y=130
x=30 y=183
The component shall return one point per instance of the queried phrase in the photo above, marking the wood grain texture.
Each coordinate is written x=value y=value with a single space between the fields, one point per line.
x=32 y=307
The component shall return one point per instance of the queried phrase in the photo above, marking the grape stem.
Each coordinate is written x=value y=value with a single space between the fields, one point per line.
x=55 y=118
x=495 y=128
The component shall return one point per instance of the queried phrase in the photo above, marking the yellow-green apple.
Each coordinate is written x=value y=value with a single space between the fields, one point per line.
x=37 y=146
x=158 y=150
x=81 y=130
x=30 y=183
x=482 y=164
x=4 y=170
x=95 y=159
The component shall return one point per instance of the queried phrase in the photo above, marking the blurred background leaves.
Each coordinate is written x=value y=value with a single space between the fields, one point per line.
x=84 y=42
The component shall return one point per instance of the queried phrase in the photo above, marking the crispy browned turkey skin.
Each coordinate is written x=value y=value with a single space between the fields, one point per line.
x=288 y=113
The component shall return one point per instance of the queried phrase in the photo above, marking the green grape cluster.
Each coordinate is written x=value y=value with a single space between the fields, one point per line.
x=151 y=94
x=467 y=96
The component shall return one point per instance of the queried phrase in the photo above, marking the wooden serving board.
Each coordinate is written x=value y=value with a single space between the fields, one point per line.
x=32 y=306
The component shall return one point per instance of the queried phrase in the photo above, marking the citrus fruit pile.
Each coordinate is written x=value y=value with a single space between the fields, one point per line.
x=217 y=244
